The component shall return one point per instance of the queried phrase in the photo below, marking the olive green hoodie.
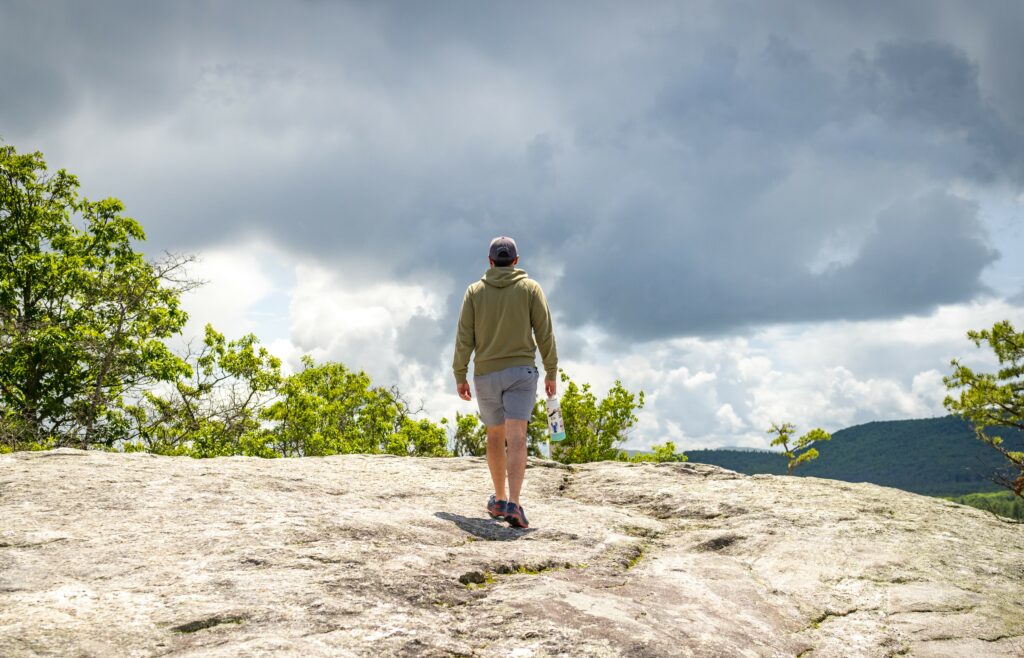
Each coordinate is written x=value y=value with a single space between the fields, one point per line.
x=501 y=315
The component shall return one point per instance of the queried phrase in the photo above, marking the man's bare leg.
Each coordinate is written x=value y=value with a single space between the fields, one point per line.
x=515 y=438
x=496 y=458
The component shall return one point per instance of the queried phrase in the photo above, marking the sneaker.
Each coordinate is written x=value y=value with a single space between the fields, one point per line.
x=495 y=507
x=516 y=516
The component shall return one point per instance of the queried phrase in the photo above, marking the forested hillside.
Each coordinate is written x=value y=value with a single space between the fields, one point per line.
x=932 y=456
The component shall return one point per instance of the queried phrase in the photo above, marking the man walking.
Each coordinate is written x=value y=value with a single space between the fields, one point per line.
x=504 y=319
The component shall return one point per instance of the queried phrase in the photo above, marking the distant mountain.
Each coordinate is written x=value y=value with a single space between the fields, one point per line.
x=932 y=456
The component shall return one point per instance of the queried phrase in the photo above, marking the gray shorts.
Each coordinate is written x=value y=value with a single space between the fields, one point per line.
x=509 y=393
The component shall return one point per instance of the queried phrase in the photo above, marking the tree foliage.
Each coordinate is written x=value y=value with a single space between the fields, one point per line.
x=212 y=409
x=470 y=437
x=802 y=450
x=537 y=430
x=594 y=429
x=85 y=323
x=1000 y=503
x=327 y=410
x=665 y=452
x=83 y=315
x=990 y=401
x=418 y=438
x=470 y=434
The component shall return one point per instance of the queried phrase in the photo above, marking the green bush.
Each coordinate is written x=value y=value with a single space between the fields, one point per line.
x=991 y=401
x=665 y=452
x=1003 y=503
x=594 y=429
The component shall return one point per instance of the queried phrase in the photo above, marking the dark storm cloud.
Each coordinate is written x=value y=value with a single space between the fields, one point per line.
x=920 y=253
x=932 y=86
x=418 y=339
x=691 y=169
x=120 y=59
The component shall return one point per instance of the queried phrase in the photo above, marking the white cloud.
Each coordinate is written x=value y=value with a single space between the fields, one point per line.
x=337 y=318
x=699 y=392
x=728 y=420
x=237 y=279
x=717 y=392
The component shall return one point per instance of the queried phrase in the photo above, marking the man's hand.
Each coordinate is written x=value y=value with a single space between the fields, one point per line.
x=463 y=390
x=549 y=387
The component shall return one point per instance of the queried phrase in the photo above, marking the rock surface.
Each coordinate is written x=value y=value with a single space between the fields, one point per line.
x=138 y=555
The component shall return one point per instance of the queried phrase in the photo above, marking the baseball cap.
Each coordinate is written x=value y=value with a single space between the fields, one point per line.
x=503 y=251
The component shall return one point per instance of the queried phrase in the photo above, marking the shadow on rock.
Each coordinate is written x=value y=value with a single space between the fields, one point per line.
x=486 y=529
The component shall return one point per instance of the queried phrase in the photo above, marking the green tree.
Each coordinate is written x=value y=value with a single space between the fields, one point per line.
x=320 y=412
x=1000 y=503
x=665 y=452
x=83 y=315
x=801 y=451
x=470 y=438
x=212 y=409
x=594 y=428
x=418 y=438
x=537 y=430
x=327 y=409
x=992 y=400
x=470 y=435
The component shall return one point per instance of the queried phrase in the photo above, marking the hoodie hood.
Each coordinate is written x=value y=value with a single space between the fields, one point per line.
x=503 y=277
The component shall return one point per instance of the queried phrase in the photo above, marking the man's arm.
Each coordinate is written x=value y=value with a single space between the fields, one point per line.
x=465 y=342
x=544 y=334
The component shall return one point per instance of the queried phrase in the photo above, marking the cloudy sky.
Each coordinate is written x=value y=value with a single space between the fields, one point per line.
x=751 y=211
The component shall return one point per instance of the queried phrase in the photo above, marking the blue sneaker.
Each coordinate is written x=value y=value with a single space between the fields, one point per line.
x=516 y=515
x=495 y=507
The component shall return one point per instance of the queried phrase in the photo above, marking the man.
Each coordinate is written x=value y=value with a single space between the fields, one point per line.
x=504 y=319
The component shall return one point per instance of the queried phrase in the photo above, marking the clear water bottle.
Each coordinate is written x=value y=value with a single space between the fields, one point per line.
x=555 y=427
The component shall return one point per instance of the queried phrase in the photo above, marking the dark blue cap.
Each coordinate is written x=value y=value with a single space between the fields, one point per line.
x=503 y=251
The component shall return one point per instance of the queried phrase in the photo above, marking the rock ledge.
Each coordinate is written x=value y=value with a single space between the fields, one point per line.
x=138 y=555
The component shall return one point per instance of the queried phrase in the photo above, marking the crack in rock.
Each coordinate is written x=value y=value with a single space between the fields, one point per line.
x=641 y=531
x=999 y=638
x=208 y=622
x=33 y=544
x=719 y=543
x=832 y=614
x=633 y=556
x=486 y=576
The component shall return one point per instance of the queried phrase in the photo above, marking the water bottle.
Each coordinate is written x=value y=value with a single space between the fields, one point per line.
x=555 y=427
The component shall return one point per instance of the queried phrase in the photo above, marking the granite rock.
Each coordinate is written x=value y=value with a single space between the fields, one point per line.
x=107 y=554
